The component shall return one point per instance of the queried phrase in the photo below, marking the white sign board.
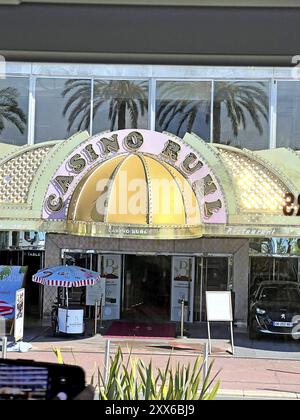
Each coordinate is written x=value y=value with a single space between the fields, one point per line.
x=219 y=307
x=19 y=315
x=96 y=293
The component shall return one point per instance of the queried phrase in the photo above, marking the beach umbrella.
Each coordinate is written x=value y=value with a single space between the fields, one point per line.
x=66 y=276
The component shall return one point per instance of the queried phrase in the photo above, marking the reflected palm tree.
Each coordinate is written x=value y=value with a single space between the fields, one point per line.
x=10 y=110
x=183 y=111
x=124 y=97
x=240 y=100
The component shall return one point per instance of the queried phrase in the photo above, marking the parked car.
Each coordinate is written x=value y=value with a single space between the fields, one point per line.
x=273 y=309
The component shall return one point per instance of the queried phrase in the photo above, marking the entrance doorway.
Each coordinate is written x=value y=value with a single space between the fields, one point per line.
x=147 y=288
x=34 y=261
x=214 y=274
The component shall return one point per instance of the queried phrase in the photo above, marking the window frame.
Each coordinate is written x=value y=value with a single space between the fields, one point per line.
x=23 y=76
x=152 y=73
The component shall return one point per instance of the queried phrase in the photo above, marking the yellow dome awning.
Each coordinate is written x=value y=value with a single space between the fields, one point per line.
x=135 y=189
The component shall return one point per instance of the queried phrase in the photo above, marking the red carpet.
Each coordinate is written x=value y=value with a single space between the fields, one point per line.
x=141 y=330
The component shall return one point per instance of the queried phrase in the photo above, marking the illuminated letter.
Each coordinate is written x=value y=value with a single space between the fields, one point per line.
x=133 y=141
x=92 y=155
x=110 y=145
x=211 y=208
x=54 y=204
x=209 y=185
x=190 y=160
x=77 y=164
x=64 y=182
x=171 y=150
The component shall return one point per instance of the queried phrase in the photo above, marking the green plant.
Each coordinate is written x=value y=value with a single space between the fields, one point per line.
x=58 y=355
x=135 y=380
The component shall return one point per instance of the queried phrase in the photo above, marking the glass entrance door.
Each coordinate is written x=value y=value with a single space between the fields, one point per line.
x=212 y=274
x=183 y=280
x=77 y=295
x=147 y=285
x=110 y=269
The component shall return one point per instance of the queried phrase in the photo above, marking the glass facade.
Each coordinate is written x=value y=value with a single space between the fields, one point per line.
x=62 y=108
x=14 y=102
x=241 y=114
x=249 y=108
x=288 y=110
x=120 y=104
x=183 y=107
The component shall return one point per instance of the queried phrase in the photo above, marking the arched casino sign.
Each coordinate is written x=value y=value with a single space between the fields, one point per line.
x=144 y=184
x=135 y=183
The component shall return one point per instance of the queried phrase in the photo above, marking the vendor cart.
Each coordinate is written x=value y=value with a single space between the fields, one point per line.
x=66 y=318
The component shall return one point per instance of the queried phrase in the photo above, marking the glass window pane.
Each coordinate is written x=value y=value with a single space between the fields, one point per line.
x=241 y=114
x=14 y=97
x=286 y=269
x=288 y=111
x=120 y=104
x=183 y=107
x=62 y=108
x=4 y=240
x=262 y=269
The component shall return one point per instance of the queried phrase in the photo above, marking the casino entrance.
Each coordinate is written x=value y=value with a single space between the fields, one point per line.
x=148 y=284
x=147 y=288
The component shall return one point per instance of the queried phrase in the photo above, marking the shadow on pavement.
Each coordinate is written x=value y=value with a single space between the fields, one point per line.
x=266 y=347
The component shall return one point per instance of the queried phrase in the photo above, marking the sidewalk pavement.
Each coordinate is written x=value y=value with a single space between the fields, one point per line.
x=240 y=377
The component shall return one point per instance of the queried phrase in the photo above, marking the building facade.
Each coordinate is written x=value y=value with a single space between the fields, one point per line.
x=206 y=98
x=169 y=217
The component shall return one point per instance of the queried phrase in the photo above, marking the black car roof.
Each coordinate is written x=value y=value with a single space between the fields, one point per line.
x=279 y=283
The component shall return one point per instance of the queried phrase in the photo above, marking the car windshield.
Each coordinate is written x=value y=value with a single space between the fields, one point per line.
x=280 y=294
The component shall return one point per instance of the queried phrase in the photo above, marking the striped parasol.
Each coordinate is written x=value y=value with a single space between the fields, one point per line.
x=66 y=276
